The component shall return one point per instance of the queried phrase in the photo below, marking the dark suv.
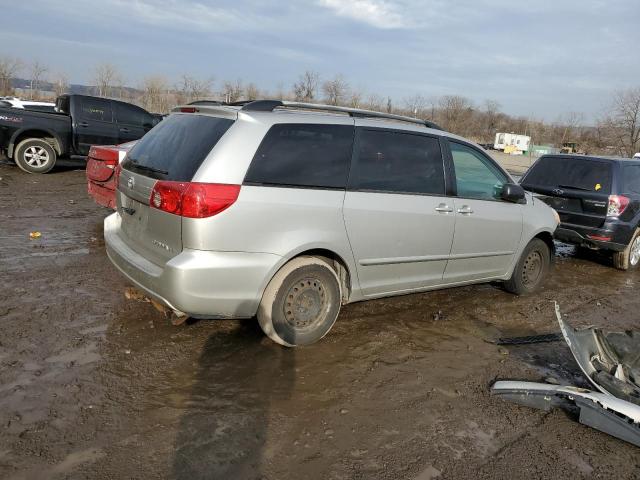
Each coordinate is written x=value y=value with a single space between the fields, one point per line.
x=597 y=198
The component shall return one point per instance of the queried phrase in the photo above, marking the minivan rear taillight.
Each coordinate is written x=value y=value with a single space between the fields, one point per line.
x=192 y=199
x=617 y=205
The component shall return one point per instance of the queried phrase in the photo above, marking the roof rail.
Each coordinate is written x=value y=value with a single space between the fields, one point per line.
x=270 y=105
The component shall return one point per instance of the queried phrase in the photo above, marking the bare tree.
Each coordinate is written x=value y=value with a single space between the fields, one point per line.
x=9 y=68
x=335 y=90
x=60 y=84
x=455 y=112
x=155 y=94
x=251 y=92
x=232 y=91
x=374 y=102
x=622 y=125
x=569 y=123
x=306 y=87
x=37 y=71
x=190 y=88
x=107 y=79
x=491 y=118
x=416 y=105
x=355 y=98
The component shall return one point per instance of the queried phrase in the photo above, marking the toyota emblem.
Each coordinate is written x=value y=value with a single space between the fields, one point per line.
x=131 y=182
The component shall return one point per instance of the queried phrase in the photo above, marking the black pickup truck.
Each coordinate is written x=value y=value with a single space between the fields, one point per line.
x=35 y=140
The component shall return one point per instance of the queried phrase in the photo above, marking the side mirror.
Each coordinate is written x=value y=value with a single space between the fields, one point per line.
x=512 y=193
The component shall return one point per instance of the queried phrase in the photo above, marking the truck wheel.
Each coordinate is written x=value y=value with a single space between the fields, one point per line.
x=35 y=155
x=531 y=269
x=630 y=256
x=301 y=302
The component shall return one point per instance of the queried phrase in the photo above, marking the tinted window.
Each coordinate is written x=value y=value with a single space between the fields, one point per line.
x=4 y=104
x=398 y=162
x=96 y=109
x=176 y=147
x=41 y=108
x=132 y=115
x=476 y=176
x=303 y=155
x=578 y=173
x=631 y=179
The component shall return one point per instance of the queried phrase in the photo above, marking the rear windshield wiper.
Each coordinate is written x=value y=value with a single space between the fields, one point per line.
x=575 y=188
x=148 y=169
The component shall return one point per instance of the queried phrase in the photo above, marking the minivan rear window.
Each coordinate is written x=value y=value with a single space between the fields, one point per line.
x=176 y=147
x=578 y=173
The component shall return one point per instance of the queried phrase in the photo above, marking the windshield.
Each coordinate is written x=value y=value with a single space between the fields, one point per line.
x=176 y=147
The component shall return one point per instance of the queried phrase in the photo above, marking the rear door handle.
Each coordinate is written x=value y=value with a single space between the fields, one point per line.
x=444 y=208
x=465 y=210
x=125 y=130
x=83 y=124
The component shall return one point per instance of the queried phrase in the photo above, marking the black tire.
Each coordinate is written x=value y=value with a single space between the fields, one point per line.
x=531 y=270
x=301 y=302
x=628 y=258
x=35 y=155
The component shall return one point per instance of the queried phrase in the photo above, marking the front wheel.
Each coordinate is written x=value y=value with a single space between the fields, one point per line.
x=35 y=155
x=301 y=302
x=630 y=256
x=531 y=270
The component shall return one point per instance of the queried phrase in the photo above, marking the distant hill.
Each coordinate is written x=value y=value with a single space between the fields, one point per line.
x=47 y=88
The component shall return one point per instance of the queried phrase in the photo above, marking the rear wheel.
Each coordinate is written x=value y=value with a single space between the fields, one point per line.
x=531 y=269
x=35 y=155
x=301 y=302
x=630 y=256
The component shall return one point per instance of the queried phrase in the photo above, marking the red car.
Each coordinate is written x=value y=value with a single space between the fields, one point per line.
x=101 y=165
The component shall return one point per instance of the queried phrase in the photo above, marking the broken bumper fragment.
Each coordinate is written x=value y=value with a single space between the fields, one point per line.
x=601 y=411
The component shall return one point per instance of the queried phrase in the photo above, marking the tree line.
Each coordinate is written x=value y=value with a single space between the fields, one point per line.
x=615 y=132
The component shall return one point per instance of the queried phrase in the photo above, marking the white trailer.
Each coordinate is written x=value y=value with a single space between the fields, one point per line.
x=512 y=142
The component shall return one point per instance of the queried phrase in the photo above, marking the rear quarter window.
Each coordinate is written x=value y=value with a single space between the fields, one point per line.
x=304 y=155
x=578 y=173
x=631 y=179
x=176 y=147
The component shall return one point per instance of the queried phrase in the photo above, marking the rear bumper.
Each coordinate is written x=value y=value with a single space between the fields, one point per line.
x=619 y=234
x=196 y=282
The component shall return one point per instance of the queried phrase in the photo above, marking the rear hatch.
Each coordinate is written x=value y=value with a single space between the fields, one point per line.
x=577 y=188
x=172 y=151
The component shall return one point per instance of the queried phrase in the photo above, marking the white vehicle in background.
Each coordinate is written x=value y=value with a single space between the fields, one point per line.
x=512 y=143
x=637 y=155
x=27 y=104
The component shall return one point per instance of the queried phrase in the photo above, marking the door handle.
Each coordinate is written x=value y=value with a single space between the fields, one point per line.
x=465 y=210
x=83 y=124
x=125 y=130
x=444 y=208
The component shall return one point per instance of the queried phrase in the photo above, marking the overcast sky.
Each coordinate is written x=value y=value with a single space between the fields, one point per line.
x=537 y=58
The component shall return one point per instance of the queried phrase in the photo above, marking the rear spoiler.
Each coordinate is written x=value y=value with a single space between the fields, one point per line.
x=215 y=110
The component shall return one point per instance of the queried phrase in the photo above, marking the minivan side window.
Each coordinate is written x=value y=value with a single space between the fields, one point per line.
x=476 y=176
x=631 y=178
x=305 y=155
x=132 y=115
x=96 y=109
x=388 y=161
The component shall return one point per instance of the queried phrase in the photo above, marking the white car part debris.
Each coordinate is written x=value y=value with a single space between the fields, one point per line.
x=610 y=360
x=601 y=411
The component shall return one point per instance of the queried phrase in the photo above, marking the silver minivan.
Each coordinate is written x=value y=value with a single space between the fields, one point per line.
x=286 y=211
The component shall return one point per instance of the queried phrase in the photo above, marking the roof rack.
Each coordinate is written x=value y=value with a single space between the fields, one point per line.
x=270 y=105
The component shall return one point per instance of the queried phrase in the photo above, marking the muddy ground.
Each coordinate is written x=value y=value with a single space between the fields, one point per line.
x=93 y=385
